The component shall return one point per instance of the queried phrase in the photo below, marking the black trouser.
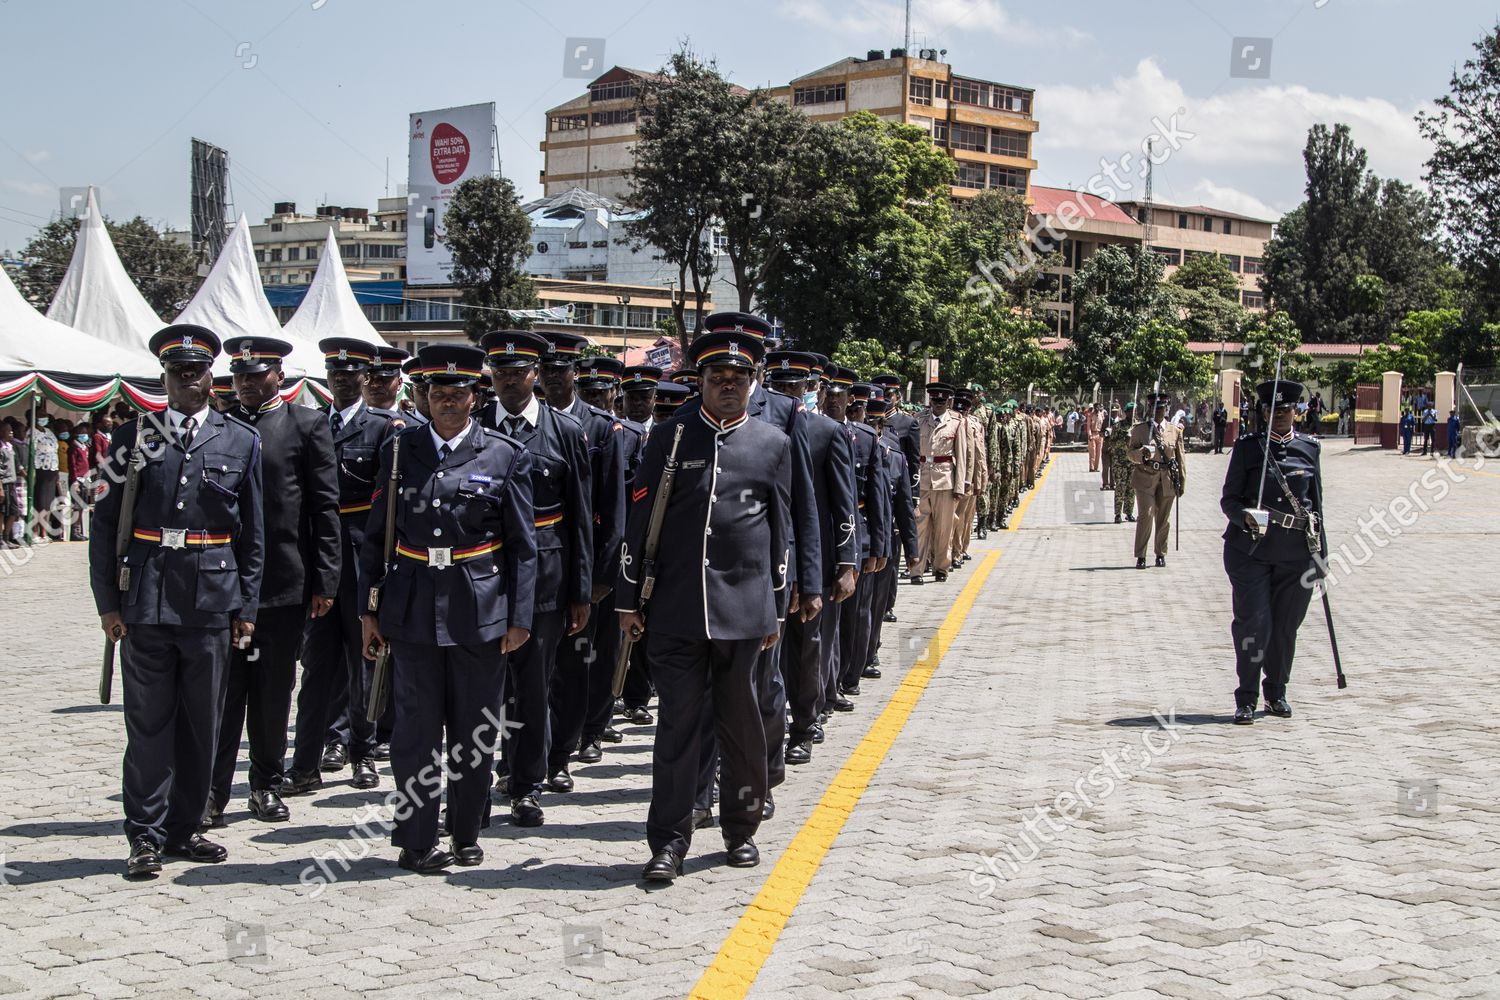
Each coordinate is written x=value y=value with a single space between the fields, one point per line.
x=258 y=690
x=1269 y=602
x=830 y=659
x=577 y=662
x=1429 y=442
x=882 y=599
x=601 y=700
x=335 y=676
x=1218 y=439
x=770 y=694
x=528 y=679
x=638 y=679
x=854 y=632
x=43 y=496
x=806 y=649
x=173 y=678
x=694 y=678
x=438 y=690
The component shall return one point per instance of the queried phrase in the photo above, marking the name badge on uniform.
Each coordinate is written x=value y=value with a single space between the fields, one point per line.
x=477 y=478
x=700 y=463
x=439 y=558
x=174 y=538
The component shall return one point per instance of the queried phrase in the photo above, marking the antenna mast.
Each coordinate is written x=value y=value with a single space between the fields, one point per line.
x=907 y=39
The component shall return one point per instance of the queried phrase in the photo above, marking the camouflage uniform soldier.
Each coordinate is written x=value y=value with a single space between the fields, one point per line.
x=994 y=500
x=1117 y=447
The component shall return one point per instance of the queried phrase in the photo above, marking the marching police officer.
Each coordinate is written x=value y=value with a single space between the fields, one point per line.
x=1270 y=562
x=1157 y=474
x=943 y=474
x=454 y=601
x=419 y=412
x=383 y=388
x=903 y=528
x=873 y=526
x=721 y=591
x=186 y=589
x=579 y=667
x=303 y=560
x=561 y=491
x=667 y=398
x=903 y=426
x=335 y=674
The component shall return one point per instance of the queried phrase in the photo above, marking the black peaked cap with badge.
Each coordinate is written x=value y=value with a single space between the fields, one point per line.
x=513 y=348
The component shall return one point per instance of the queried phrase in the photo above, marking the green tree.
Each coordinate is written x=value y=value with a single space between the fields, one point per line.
x=163 y=269
x=1207 y=295
x=1411 y=349
x=1001 y=348
x=1464 y=171
x=869 y=357
x=1272 y=334
x=1159 y=346
x=490 y=238
x=1115 y=293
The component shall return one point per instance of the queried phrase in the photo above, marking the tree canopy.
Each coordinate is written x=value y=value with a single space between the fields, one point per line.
x=165 y=271
x=490 y=238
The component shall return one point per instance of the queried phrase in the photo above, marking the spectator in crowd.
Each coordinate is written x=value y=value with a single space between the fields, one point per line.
x=103 y=427
x=1455 y=433
x=1429 y=430
x=43 y=444
x=1072 y=422
x=1315 y=413
x=10 y=506
x=1221 y=424
x=1407 y=427
x=80 y=451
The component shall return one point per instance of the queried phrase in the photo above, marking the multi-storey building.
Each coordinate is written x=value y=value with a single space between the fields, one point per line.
x=288 y=243
x=1181 y=232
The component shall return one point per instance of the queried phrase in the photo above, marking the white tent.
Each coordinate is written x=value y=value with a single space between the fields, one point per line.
x=231 y=303
x=30 y=341
x=96 y=296
x=329 y=308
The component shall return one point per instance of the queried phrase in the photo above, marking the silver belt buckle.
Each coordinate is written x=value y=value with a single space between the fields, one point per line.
x=174 y=538
x=439 y=558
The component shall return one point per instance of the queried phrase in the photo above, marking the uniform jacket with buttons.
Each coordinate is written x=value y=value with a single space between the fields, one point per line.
x=356 y=450
x=212 y=490
x=871 y=491
x=562 y=509
x=1169 y=439
x=299 y=484
x=903 y=510
x=833 y=490
x=476 y=500
x=606 y=446
x=722 y=562
x=1299 y=460
x=903 y=427
x=634 y=436
x=942 y=438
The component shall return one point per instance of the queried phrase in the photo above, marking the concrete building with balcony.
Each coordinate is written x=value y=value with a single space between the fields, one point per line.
x=986 y=126
x=287 y=243
x=1181 y=232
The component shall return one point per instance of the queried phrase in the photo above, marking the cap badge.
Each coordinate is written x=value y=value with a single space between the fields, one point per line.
x=343 y=354
x=187 y=342
x=245 y=353
x=453 y=368
x=734 y=347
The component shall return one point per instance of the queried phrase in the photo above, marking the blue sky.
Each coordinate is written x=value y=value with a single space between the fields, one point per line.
x=311 y=97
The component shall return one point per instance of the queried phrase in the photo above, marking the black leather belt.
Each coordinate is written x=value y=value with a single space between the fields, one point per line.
x=1289 y=521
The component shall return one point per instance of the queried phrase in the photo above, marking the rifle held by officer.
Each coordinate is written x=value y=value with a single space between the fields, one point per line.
x=124 y=530
x=380 y=680
x=648 y=556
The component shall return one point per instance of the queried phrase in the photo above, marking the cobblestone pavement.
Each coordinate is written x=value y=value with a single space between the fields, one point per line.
x=1351 y=851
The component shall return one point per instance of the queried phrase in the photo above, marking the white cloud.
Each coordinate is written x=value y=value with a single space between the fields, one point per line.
x=1206 y=192
x=932 y=23
x=38 y=155
x=35 y=189
x=1237 y=124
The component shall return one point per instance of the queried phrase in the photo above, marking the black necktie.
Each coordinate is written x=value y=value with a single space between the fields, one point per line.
x=185 y=433
x=514 y=425
x=336 y=422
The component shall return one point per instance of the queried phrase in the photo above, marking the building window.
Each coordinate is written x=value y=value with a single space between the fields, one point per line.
x=823 y=93
x=578 y=244
x=569 y=123
x=349 y=251
x=1253 y=300
x=439 y=310
x=1008 y=177
x=1012 y=99
x=940 y=90
x=639 y=317
x=940 y=133
x=1188 y=255
x=623 y=116
x=274 y=279
x=612 y=91
x=275 y=227
x=1181 y=220
x=1253 y=265
x=293 y=253
x=970 y=92
x=1170 y=256
x=1226 y=227
x=1233 y=260
x=1005 y=142
x=260 y=256
x=1208 y=224
x=416 y=311
x=721 y=243
x=312 y=253
x=971 y=175
x=921 y=90
x=971 y=137
x=275 y=254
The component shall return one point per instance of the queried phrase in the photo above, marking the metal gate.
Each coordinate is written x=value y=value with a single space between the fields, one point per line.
x=1367 y=414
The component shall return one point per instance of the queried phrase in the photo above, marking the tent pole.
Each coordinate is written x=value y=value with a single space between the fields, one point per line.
x=26 y=524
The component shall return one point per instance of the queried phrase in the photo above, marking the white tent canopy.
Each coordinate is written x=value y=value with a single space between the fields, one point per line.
x=30 y=341
x=329 y=308
x=96 y=296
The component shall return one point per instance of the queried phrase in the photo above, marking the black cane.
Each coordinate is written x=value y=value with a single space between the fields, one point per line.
x=1333 y=640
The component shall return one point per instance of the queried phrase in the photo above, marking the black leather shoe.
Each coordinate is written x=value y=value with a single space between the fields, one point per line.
x=852 y=690
x=1119 y=519
x=301 y=784
x=467 y=855
x=526 y=811
x=144 y=858
x=639 y=716
x=382 y=751
x=871 y=671
x=1130 y=517
x=1244 y=715
x=889 y=616
x=1279 y=708
x=1140 y=563
x=1161 y=561
x=612 y=735
x=768 y=808
x=266 y=806
x=817 y=733
x=213 y=818
x=365 y=775
x=429 y=862
x=703 y=819
x=941 y=576
x=916 y=580
x=664 y=866
x=197 y=848
x=823 y=718
x=562 y=781
x=335 y=756
x=842 y=704
x=744 y=854
x=590 y=753
x=982 y=534
x=799 y=752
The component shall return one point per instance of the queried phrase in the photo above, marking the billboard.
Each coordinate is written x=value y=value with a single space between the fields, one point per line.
x=447 y=147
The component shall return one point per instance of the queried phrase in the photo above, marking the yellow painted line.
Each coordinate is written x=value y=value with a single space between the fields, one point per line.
x=744 y=952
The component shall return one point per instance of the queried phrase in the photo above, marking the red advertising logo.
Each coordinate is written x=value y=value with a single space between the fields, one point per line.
x=450 y=153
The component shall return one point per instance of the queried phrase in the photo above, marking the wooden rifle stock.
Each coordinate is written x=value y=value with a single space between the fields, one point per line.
x=124 y=531
x=648 y=555
x=380 y=679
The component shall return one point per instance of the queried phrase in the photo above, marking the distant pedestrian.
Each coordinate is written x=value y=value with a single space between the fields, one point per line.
x=1221 y=424
x=1429 y=430
x=1455 y=432
x=1408 y=426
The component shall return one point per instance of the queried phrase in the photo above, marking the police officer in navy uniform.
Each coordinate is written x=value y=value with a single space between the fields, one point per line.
x=454 y=602
x=903 y=526
x=903 y=427
x=561 y=492
x=811 y=637
x=873 y=499
x=1271 y=567
x=383 y=387
x=580 y=668
x=191 y=588
x=303 y=561
x=335 y=673
x=638 y=388
x=722 y=590
x=419 y=412
x=686 y=377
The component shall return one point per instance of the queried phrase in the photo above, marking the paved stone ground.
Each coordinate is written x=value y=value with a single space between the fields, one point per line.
x=1350 y=851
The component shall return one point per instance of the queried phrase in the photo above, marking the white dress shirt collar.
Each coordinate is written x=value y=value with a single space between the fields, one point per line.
x=438 y=440
x=531 y=414
x=351 y=412
x=177 y=417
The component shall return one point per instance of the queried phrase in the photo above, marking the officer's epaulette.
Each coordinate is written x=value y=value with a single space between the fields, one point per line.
x=498 y=435
x=569 y=418
x=599 y=411
x=388 y=414
x=235 y=417
x=626 y=422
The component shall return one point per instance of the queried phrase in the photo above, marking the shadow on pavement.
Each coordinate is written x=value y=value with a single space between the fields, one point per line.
x=1150 y=721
